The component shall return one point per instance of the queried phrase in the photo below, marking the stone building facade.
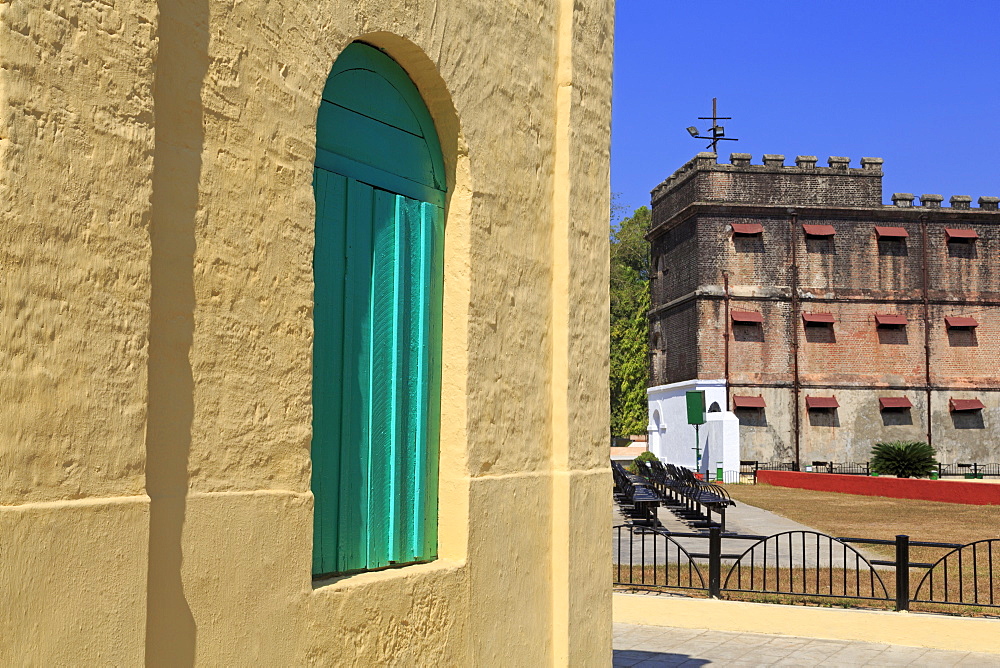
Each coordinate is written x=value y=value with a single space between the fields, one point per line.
x=831 y=321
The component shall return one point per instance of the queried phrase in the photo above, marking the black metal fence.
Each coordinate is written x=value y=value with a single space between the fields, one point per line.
x=973 y=470
x=807 y=565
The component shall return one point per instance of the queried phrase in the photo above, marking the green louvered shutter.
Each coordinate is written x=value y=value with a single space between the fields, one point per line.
x=377 y=317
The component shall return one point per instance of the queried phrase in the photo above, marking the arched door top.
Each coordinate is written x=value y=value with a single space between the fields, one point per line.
x=373 y=126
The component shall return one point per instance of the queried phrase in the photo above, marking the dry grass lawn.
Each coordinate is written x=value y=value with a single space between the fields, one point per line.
x=853 y=516
x=848 y=515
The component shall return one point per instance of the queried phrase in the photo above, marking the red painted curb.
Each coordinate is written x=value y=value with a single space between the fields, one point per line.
x=949 y=491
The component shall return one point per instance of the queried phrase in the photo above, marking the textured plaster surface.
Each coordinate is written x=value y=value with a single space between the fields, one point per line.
x=157 y=218
x=76 y=153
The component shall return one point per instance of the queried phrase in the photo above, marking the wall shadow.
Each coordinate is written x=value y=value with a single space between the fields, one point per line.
x=748 y=243
x=181 y=65
x=823 y=417
x=968 y=420
x=748 y=332
x=631 y=657
x=962 y=337
x=962 y=249
x=896 y=417
x=821 y=245
x=751 y=417
x=892 y=335
x=893 y=247
x=821 y=333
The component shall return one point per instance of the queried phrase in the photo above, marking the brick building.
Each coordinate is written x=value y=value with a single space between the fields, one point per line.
x=824 y=319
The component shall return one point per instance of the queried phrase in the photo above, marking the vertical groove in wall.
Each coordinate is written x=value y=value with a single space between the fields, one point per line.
x=927 y=328
x=559 y=335
x=181 y=64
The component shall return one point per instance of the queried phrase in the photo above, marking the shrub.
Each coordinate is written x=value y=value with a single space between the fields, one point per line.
x=643 y=457
x=904 y=459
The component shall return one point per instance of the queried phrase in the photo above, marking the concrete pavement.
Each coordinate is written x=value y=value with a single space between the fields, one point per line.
x=655 y=646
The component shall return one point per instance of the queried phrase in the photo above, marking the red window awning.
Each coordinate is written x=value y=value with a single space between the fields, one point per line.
x=822 y=402
x=748 y=402
x=746 y=316
x=894 y=402
x=748 y=228
x=818 y=230
x=818 y=318
x=888 y=320
x=960 y=321
x=885 y=232
x=955 y=233
x=965 y=405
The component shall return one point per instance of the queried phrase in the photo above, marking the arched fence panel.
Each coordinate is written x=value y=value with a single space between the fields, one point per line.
x=652 y=558
x=805 y=563
x=967 y=575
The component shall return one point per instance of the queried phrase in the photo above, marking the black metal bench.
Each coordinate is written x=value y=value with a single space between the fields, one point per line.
x=680 y=486
x=635 y=496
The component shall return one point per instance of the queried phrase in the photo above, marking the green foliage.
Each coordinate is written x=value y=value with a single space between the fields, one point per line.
x=643 y=457
x=904 y=459
x=629 y=370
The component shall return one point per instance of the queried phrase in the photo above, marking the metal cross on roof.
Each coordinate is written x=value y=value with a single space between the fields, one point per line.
x=718 y=131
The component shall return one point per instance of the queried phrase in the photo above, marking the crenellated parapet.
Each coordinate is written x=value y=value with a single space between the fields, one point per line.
x=957 y=202
x=704 y=179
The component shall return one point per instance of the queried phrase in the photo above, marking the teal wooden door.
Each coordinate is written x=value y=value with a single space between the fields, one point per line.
x=377 y=318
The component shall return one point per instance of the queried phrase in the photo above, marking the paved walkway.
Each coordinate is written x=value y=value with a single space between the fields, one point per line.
x=649 y=646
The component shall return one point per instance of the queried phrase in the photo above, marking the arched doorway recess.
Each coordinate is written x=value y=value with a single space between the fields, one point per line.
x=380 y=189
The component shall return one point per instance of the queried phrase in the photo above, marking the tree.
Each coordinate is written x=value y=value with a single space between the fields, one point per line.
x=629 y=326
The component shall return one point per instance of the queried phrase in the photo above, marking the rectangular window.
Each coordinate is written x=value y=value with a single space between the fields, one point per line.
x=823 y=411
x=749 y=410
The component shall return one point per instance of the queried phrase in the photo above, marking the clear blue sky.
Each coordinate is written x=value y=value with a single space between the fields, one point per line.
x=916 y=83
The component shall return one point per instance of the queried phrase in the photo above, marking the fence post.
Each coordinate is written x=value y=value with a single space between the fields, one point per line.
x=715 y=562
x=902 y=573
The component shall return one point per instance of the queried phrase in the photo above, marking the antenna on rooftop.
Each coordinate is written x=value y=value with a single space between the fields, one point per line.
x=718 y=131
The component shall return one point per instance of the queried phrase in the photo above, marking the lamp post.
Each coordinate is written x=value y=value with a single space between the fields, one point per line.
x=718 y=131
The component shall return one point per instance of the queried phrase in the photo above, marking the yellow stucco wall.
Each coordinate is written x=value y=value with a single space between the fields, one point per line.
x=156 y=234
